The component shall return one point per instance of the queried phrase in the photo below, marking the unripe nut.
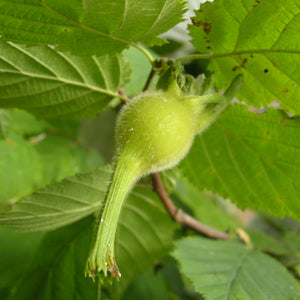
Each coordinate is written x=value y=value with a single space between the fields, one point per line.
x=154 y=132
x=157 y=129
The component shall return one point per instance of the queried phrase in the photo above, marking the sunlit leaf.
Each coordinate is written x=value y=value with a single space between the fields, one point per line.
x=252 y=159
x=88 y=27
x=230 y=270
x=257 y=38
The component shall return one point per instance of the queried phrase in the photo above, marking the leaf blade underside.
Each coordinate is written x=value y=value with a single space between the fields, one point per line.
x=88 y=27
x=51 y=84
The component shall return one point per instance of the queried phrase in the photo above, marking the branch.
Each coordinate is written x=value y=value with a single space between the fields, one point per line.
x=149 y=80
x=181 y=217
x=123 y=95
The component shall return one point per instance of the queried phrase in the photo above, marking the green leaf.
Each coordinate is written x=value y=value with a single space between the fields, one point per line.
x=65 y=127
x=27 y=165
x=5 y=120
x=76 y=197
x=88 y=27
x=59 y=204
x=257 y=38
x=15 y=252
x=24 y=123
x=99 y=133
x=265 y=242
x=141 y=69
x=51 y=84
x=292 y=241
x=60 y=158
x=253 y=159
x=144 y=236
x=56 y=269
x=204 y=207
x=177 y=285
x=19 y=169
x=148 y=286
x=230 y=270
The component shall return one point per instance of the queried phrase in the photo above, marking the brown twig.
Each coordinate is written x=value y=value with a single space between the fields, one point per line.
x=149 y=80
x=123 y=94
x=181 y=217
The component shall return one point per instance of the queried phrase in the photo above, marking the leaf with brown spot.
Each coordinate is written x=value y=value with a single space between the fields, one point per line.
x=268 y=33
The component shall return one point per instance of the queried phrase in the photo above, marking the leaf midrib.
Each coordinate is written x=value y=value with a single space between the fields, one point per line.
x=211 y=55
x=63 y=80
x=253 y=51
x=236 y=272
x=32 y=216
x=79 y=25
x=70 y=21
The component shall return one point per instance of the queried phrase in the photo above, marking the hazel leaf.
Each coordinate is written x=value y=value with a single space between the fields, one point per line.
x=144 y=236
x=252 y=159
x=5 y=120
x=88 y=27
x=230 y=270
x=52 y=84
x=58 y=204
x=259 y=39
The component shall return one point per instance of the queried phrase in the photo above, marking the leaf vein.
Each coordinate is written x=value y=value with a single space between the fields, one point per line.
x=64 y=196
x=237 y=166
x=212 y=165
x=257 y=153
x=284 y=29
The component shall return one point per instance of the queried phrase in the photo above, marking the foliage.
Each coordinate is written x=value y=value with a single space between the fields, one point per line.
x=253 y=37
x=62 y=62
x=252 y=154
x=229 y=270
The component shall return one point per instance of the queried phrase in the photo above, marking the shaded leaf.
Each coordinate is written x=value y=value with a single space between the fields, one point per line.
x=59 y=204
x=15 y=252
x=5 y=120
x=99 y=133
x=89 y=27
x=144 y=236
x=51 y=84
x=257 y=38
x=148 y=286
x=56 y=269
x=179 y=287
x=60 y=158
x=24 y=123
x=230 y=270
x=201 y=203
x=65 y=127
x=19 y=169
x=252 y=159
x=292 y=240
x=265 y=242
x=27 y=165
